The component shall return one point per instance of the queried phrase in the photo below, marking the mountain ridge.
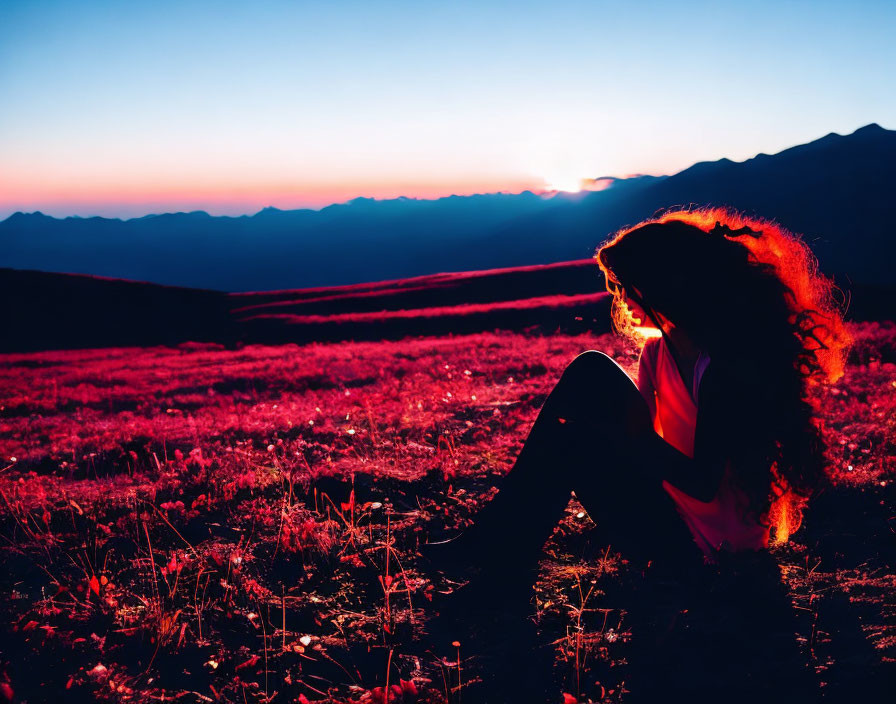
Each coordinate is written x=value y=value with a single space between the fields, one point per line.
x=833 y=190
x=872 y=128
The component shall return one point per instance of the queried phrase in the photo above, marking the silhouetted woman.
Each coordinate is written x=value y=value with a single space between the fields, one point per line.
x=708 y=458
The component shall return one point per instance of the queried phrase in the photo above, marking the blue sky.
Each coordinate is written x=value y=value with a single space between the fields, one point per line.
x=124 y=108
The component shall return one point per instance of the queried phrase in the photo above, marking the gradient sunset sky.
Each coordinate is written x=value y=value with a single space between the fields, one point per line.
x=128 y=108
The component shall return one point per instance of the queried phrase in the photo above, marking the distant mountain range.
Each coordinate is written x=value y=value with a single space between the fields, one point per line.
x=837 y=191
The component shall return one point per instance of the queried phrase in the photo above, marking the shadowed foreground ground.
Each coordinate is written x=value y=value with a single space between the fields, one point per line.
x=202 y=524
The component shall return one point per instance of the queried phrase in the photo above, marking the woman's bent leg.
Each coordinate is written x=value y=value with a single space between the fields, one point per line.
x=584 y=439
x=616 y=465
x=588 y=438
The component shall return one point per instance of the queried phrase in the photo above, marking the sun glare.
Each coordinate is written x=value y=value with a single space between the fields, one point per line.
x=568 y=184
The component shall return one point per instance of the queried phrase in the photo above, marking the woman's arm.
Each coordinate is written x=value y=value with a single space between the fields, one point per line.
x=646 y=375
x=701 y=475
x=710 y=453
x=697 y=477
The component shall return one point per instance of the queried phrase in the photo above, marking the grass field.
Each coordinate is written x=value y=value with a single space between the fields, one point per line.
x=196 y=523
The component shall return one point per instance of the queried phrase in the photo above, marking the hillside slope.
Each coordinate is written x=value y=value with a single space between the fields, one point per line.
x=69 y=311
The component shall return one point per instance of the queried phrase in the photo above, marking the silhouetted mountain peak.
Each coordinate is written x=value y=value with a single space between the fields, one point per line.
x=871 y=130
x=193 y=215
x=20 y=218
x=701 y=167
x=862 y=136
x=832 y=140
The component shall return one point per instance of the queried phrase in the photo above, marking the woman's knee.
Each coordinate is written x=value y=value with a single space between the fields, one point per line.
x=594 y=385
x=594 y=369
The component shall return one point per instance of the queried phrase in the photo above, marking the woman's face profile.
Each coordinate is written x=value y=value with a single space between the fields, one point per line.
x=630 y=297
x=638 y=313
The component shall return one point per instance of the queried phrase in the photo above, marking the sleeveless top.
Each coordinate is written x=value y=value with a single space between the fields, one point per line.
x=716 y=525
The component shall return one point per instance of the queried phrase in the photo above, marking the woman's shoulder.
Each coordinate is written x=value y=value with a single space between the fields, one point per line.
x=648 y=361
x=652 y=343
x=650 y=349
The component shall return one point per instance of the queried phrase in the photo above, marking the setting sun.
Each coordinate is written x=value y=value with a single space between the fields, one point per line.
x=568 y=184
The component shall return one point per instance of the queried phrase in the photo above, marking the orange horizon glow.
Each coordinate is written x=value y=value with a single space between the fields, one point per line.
x=152 y=188
x=86 y=198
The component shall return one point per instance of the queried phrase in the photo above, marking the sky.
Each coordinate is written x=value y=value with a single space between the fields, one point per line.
x=128 y=108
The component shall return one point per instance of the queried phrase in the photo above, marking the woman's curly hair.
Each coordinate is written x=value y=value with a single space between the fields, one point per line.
x=749 y=293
